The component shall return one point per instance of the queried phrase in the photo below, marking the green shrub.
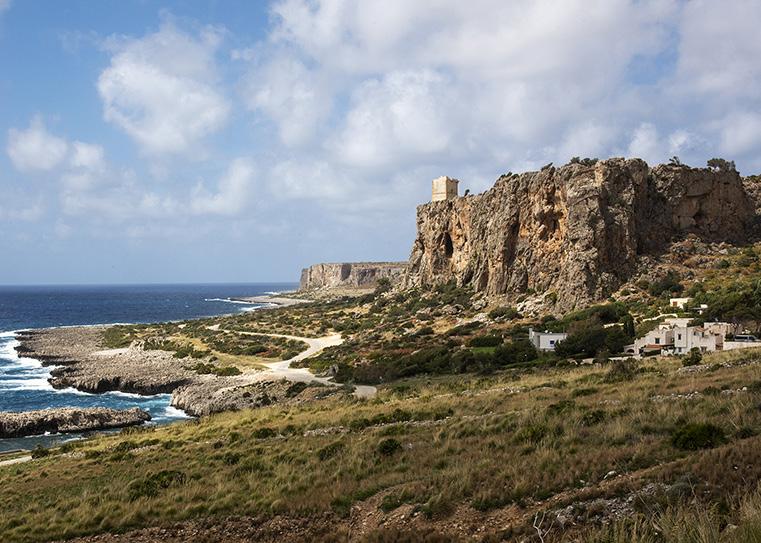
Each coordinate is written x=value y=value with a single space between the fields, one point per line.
x=622 y=370
x=698 y=435
x=151 y=486
x=40 y=452
x=693 y=358
x=596 y=416
x=389 y=447
x=485 y=341
x=329 y=451
x=263 y=433
x=506 y=313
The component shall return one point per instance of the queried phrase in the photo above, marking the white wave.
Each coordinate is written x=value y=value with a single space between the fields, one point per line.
x=258 y=306
x=171 y=412
x=11 y=385
x=72 y=390
x=228 y=300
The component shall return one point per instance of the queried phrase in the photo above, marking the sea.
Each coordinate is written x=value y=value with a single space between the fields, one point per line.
x=24 y=381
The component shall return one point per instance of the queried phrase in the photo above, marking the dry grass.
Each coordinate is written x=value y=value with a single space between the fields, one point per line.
x=486 y=442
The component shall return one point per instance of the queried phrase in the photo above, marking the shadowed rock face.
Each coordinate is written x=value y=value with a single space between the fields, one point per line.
x=350 y=274
x=576 y=230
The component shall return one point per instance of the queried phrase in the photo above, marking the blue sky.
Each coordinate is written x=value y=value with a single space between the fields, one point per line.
x=148 y=141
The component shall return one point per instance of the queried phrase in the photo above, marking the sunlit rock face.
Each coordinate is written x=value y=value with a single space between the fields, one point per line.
x=576 y=230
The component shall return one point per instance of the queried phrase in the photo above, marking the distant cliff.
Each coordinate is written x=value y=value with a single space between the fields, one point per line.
x=350 y=274
x=576 y=230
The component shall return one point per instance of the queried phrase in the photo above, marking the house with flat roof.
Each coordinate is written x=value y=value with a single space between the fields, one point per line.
x=545 y=341
x=679 y=303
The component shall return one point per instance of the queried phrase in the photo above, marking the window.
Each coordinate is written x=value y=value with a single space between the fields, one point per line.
x=552 y=342
x=657 y=341
x=679 y=336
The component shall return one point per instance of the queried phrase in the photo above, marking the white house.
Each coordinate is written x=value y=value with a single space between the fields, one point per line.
x=686 y=339
x=679 y=303
x=545 y=341
x=655 y=340
x=675 y=336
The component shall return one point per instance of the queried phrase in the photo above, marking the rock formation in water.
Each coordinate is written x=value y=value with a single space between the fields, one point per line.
x=67 y=419
x=576 y=230
x=350 y=274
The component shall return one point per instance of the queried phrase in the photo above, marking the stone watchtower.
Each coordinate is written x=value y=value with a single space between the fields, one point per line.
x=444 y=188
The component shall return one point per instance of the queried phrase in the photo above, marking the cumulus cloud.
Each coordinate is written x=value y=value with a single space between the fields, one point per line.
x=232 y=193
x=162 y=89
x=35 y=149
x=402 y=114
x=290 y=94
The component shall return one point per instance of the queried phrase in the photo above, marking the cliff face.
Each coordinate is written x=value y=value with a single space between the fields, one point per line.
x=576 y=230
x=350 y=274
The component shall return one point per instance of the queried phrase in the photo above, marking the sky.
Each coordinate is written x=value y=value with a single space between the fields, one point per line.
x=146 y=141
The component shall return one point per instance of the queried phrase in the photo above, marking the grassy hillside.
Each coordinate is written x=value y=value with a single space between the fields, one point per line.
x=473 y=435
x=630 y=446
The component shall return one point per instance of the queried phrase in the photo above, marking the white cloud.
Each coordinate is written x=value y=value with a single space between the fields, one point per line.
x=404 y=114
x=35 y=149
x=87 y=156
x=293 y=96
x=232 y=194
x=4 y=5
x=162 y=89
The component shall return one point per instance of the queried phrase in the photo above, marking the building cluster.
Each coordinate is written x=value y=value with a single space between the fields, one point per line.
x=676 y=336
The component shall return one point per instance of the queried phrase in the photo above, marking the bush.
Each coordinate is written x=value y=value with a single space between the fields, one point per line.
x=40 y=452
x=590 y=340
x=389 y=447
x=693 y=358
x=695 y=436
x=329 y=451
x=667 y=284
x=263 y=433
x=515 y=352
x=622 y=370
x=506 y=313
x=149 y=487
x=485 y=341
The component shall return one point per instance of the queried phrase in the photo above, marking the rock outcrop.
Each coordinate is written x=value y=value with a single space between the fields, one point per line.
x=350 y=274
x=575 y=231
x=83 y=364
x=29 y=423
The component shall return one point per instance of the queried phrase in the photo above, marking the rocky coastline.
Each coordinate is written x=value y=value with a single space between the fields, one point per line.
x=81 y=362
x=67 y=420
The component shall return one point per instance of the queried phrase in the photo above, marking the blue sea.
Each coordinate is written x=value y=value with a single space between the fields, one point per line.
x=24 y=382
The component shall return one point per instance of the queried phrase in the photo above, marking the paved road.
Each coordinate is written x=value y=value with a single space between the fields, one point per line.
x=283 y=369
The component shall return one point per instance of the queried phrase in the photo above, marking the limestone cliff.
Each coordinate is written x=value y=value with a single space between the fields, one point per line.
x=350 y=274
x=576 y=231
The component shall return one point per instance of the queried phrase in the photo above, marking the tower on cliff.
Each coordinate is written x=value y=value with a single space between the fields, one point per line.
x=444 y=188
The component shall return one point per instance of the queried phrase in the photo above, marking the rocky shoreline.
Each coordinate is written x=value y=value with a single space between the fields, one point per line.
x=66 y=420
x=82 y=363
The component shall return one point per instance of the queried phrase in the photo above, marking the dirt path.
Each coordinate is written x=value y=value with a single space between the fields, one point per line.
x=283 y=369
x=19 y=460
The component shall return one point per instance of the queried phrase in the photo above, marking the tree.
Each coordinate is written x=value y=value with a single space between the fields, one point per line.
x=515 y=352
x=629 y=329
x=693 y=358
x=721 y=165
x=674 y=161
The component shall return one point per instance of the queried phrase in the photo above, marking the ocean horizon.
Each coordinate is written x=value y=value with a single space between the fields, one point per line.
x=24 y=382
